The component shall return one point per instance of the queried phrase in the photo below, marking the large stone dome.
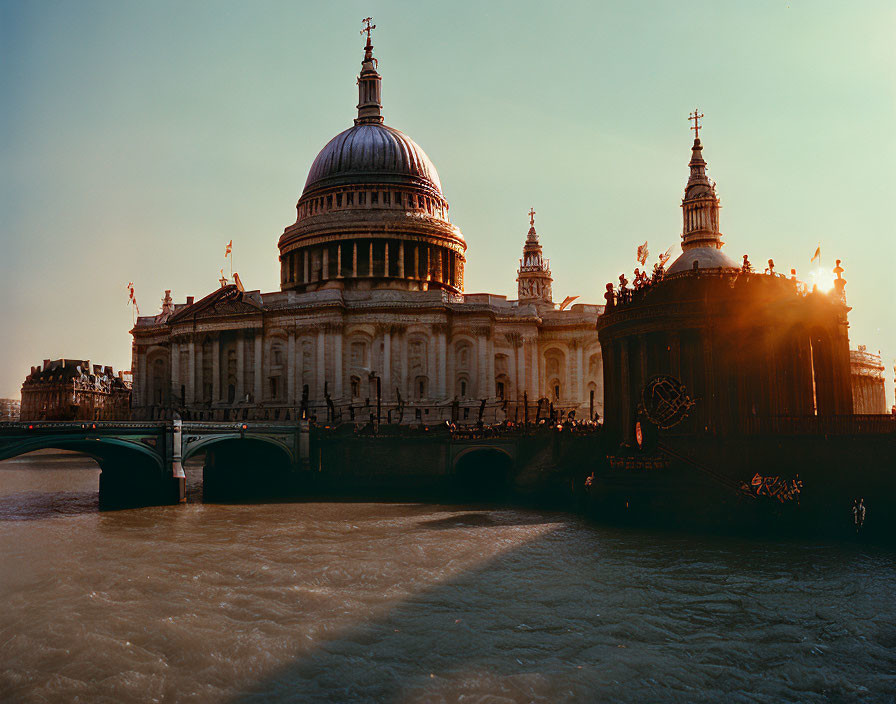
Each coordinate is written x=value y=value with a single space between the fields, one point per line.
x=372 y=214
x=372 y=153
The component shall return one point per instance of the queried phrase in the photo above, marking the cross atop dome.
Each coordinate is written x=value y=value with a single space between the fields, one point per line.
x=368 y=27
x=532 y=217
x=695 y=117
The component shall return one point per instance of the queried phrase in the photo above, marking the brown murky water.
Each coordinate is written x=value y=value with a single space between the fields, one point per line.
x=417 y=603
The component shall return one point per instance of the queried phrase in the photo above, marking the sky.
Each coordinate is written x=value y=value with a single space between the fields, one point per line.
x=138 y=138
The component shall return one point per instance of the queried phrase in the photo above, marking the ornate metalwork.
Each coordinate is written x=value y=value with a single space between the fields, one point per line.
x=666 y=402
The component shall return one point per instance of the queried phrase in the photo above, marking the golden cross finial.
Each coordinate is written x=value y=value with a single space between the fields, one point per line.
x=368 y=27
x=695 y=116
x=532 y=217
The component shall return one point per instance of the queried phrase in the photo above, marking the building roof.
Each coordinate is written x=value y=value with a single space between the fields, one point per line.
x=372 y=153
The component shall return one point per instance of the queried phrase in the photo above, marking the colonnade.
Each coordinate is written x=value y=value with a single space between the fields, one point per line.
x=372 y=258
x=423 y=364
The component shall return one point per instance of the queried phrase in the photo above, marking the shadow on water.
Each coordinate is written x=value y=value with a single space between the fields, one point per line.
x=39 y=505
x=480 y=519
x=578 y=614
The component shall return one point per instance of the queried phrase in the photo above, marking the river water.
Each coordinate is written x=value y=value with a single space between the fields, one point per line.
x=346 y=602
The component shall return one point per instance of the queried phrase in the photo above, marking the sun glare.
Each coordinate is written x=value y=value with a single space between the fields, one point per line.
x=822 y=278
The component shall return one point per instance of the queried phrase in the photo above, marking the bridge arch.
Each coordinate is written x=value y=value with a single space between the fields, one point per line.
x=131 y=473
x=483 y=472
x=204 y=444
x=241 y=467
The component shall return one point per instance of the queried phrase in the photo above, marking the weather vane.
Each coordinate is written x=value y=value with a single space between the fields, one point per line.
x=695 y=116
x=532 y=217
x=368 y=27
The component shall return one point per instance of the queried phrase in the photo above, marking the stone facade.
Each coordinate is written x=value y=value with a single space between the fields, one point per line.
x=867 y=373
x=371 y=311
x=74 y=389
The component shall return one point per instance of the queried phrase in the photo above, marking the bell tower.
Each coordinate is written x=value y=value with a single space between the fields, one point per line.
x=534 y=275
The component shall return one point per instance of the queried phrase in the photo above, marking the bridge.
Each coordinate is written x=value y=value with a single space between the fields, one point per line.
x=141 y=463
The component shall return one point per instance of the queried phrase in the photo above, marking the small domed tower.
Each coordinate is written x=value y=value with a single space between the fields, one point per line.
x=701 y=241
x=534 y=275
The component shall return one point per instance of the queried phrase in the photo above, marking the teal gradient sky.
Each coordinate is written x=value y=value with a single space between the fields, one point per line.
x=138 y=138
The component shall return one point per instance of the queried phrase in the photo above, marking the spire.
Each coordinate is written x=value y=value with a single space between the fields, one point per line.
x=700 y=205
x=534 y=275
x=369 y=89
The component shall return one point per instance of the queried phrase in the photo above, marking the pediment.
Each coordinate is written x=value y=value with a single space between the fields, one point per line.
x=228 y=300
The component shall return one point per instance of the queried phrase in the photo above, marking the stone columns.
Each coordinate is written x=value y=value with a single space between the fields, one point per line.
x=258 y=366
x=142 y=362
x=401 y=259
x=534 y=386
x=625 y=420
x=291 y=367
x=441 y=361
x=580 y=371
x=490 y=378
x=321 y=362
x=354 y=259
x=216 y=369
x=325 y=264
x=520 y=352
x=175 y=373
x=240 y=368
x=386 y=258
x=450 y=369
x=405 y=376
x=199 y=393
x=191 y=374
x=431 y=367
x=387 y=364
x=305 y=266
x=482 y=364
x=337 y=362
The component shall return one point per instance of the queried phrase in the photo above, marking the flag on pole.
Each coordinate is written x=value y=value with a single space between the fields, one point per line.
x=132 y=300
x=817 y=255
x=567 y=301
x=229 y=249
x=642 y=254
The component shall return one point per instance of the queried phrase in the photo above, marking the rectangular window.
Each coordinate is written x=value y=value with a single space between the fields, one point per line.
x=374 y=198
x=386 y=196
x=362 y=198
x=350 y=198
x=338 y=200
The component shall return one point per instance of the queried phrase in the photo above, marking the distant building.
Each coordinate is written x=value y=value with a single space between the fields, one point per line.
x=74 y=389
x=867 y=373
x=10 y=409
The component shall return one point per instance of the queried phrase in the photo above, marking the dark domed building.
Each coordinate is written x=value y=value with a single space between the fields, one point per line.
x=747 y=346
x=371 y=304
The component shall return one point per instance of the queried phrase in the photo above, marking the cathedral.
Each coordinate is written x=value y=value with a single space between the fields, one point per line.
x=371 y=319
